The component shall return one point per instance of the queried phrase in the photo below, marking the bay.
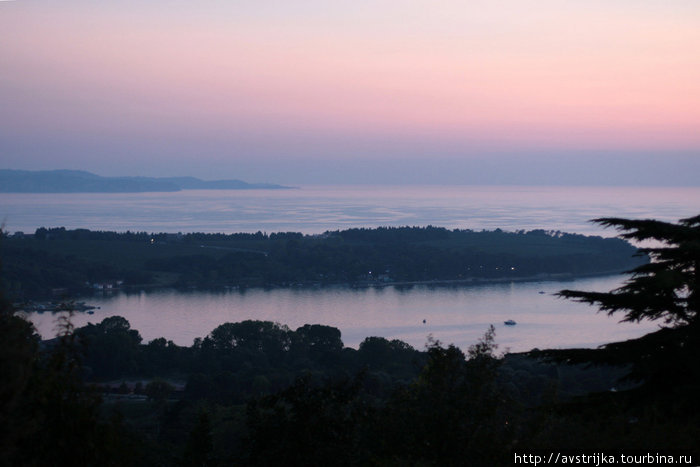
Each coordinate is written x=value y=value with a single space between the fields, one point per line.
x=458 y=315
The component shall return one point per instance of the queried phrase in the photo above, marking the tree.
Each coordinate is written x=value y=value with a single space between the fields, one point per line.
x=320 y=338
x=309 y=424
x=112 y=347
x=48 y=416
x=198 y=450
x=666 y=289
x=453 y=413
x=158 y=391
x=252 y=335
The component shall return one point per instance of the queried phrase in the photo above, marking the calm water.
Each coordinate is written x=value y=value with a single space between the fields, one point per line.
x=453 y=315
x=317 y=209
x=458 y=315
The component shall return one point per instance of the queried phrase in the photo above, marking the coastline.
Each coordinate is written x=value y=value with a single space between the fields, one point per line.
x=54 y=306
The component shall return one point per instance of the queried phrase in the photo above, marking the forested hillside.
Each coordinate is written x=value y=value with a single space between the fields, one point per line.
x=72 y=261
x=260 y=393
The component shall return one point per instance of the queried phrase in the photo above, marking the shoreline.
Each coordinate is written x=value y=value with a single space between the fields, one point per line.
x=54 y=306
x=552 y=277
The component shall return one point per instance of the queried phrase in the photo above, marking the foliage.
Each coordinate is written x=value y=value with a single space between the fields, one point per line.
x=436 y=407
x=47 y=414
x=199 y=447
x=384 y=403
x=158 y=390
x=77 y=259
x=453 y=411
x=112 y=347
x=667 y=289
x=308 y=424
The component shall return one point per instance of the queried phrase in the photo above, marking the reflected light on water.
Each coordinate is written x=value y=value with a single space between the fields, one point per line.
x=458 y=315
x=316 y=209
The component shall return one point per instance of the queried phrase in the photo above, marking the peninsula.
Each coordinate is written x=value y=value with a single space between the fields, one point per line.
x=73 y=261
x=79 y=181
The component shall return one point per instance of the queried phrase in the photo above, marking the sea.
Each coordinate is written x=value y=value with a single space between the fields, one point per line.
x=450 y=314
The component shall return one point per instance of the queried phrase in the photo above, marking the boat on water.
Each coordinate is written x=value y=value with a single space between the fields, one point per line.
x=510 y=322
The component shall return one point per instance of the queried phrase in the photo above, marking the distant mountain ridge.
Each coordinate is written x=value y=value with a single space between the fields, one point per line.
x=79 y=181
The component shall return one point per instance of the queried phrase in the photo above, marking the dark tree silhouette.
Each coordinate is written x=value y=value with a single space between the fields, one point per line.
x=198 y=450
x=48 y=416
x=667 y=289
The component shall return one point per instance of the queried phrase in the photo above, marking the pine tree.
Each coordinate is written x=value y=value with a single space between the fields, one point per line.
x=666 y=290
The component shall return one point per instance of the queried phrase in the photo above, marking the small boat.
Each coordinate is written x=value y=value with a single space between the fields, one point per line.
x=510 y=322
x=542 y=292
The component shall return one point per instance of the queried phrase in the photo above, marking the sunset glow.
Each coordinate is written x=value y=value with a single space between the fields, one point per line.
x=311 y=81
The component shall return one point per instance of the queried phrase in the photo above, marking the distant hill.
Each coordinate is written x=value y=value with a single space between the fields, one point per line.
x=78 y=181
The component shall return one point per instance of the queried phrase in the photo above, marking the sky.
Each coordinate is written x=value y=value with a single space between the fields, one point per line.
x=556 y=92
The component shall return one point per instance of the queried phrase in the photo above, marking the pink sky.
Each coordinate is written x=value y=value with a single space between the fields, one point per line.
x=245 y=85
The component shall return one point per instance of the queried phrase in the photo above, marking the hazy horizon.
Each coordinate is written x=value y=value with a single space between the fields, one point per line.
x=312 y=93
x=314 y=210
x=635 y=178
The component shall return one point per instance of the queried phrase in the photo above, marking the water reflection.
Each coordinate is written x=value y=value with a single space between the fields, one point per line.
x=458 y=315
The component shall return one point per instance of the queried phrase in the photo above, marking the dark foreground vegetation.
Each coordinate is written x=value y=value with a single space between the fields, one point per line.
x=258 y=393
x=74 y=261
